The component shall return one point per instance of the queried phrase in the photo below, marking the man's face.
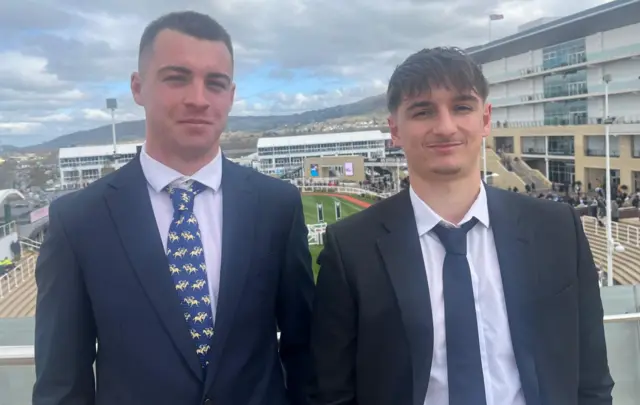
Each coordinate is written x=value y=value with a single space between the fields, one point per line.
x=441 y=132
x=185 y=86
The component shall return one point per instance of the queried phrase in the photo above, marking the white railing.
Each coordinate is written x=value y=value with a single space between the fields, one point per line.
x=29 y=244
x=314 y=236
x=7 y=229
x=341 y=190
x=23 y=355
x=621 y=232
x=14 y=278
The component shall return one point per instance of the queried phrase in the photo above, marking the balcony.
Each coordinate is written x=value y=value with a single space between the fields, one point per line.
x=619 y=122
x=595 y=90
x=592 y=58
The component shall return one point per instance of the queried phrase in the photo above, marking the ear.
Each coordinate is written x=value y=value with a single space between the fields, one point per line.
x=486 y=119
x=136 y=88
x=392 y=120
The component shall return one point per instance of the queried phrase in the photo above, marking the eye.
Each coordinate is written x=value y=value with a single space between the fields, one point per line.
x=216 y=84
x=463 y=108
x=175 y=79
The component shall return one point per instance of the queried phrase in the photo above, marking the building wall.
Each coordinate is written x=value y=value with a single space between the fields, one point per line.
x=324 y=162
x=586 y=167
x=607 y=52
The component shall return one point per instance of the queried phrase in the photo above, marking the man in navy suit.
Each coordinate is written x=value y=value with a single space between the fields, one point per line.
x=452 y=291
x=182 y=266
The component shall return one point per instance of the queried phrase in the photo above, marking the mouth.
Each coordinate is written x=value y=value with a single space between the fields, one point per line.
x=195 y=122
x=444 y=145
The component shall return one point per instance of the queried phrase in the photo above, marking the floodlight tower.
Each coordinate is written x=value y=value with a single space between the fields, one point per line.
x=112 y=105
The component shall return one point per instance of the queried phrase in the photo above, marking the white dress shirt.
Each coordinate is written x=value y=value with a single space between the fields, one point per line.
x=207 y=209
x=501 y=377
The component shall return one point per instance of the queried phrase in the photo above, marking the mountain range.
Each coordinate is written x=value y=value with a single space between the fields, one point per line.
x=249 y=125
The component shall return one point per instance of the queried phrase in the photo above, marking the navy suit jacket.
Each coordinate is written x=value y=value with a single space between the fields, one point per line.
x=103 y=275
x=372 y=329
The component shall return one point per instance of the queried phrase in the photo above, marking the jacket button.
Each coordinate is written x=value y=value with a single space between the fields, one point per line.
x=207 y=401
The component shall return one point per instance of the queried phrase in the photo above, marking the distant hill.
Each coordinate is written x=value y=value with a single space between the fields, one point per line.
x=134 y=130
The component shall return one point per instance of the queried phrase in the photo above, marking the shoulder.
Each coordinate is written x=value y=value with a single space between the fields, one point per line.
x=538 y=211
x=271 y=188
x=80 y=210
x=74 y=202
x=368 y=221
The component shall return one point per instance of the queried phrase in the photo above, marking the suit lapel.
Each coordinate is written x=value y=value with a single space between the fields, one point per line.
x=519 y=279
x=133 y=216
x=402 y=256
x=238 y=223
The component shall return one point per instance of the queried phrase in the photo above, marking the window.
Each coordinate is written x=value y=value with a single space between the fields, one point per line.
x=564 y=54
x=566 y=112
x=569 y=83
x=562 y=171
x=561 y=145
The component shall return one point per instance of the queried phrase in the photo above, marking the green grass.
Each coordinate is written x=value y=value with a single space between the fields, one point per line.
x=309 y=203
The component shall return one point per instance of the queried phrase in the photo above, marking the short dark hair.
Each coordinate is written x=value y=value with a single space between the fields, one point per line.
x=447 y=67
x=190 y=23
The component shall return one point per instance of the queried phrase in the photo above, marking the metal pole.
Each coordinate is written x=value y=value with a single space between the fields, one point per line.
x=484 y=140
x=113 y=130
x=398 y=174
x=607 y=181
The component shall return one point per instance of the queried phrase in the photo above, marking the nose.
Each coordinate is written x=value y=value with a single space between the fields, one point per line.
x=196 y=95
x=445 y=124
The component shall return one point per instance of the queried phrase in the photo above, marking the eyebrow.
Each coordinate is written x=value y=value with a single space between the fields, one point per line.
x=457 y=99
x=185 y=71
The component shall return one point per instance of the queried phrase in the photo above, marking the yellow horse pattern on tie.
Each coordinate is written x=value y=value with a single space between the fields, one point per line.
x=188 y=268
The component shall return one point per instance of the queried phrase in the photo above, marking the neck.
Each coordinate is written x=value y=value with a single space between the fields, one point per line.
x=186 y=165
x=450 y=199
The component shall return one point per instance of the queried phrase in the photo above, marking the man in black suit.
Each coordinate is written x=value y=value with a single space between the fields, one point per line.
x=451 y=291
x=181 y=265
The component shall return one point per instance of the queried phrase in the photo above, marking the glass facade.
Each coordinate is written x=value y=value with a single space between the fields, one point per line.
x=564 y=54
x=533 y=145
x=561 y=145
x=569 y=83
x=635 y=146
x=594 y=145
x=562 y=171
x=566 y=112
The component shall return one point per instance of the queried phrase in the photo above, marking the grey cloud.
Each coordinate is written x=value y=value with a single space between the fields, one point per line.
x=24 y=15
x=74 y=60
x=88 y=43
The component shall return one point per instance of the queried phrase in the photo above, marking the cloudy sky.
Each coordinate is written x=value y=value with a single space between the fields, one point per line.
x=59 y=59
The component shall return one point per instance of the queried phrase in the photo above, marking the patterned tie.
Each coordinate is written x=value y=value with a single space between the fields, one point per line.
x=188 y=268
x=464 y=366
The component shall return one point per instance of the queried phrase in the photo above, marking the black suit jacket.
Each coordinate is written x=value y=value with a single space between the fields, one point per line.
x=103 y=275
x=372 y=330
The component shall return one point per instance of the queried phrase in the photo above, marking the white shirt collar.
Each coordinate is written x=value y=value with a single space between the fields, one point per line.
x=160 y=176
x=427 y=219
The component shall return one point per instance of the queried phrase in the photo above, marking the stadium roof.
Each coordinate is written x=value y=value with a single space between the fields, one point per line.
x=10 y=193
x=317 y=139
x=612 y=15
x=98 y=150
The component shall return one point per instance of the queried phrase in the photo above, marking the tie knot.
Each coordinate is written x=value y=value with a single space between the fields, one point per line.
x=454 y=240
x=182 y=198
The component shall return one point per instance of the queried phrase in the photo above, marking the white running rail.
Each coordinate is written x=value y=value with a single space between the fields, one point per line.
x=342 y=190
